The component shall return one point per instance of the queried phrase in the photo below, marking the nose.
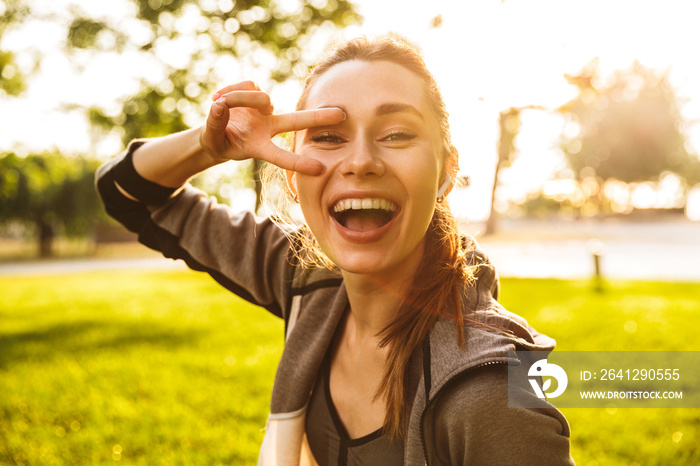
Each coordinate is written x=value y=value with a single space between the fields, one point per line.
x=362 y=159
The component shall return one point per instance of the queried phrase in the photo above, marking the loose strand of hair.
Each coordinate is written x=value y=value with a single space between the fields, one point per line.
x=435 y=293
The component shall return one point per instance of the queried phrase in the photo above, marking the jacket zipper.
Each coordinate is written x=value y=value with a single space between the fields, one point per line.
x=449 y=382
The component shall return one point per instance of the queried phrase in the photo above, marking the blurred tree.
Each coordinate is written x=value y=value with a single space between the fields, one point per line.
x=12 y=81
x=49 y=192
x=629 y=129
x=508 y=126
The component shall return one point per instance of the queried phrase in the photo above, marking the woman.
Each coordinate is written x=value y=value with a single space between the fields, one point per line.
x=396 y=349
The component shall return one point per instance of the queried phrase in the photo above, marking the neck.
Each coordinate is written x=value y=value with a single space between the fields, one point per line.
x=375 y=298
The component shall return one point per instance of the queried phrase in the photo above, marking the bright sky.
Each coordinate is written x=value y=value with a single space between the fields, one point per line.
x=487 y=56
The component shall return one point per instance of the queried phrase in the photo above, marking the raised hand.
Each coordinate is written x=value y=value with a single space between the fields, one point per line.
x=241 y=125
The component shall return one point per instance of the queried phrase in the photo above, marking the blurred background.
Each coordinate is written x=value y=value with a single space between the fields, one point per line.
x=577 y=126
x=574 y=120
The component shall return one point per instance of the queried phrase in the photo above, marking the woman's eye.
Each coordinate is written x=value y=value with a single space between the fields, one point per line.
x=398 y=136
x=327 y=138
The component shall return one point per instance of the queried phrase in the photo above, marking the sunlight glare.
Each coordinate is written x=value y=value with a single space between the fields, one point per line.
x=692 y=206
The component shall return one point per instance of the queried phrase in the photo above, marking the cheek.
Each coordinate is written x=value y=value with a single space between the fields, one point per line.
x=422 y=172
x=422 y=182
x=310 y=189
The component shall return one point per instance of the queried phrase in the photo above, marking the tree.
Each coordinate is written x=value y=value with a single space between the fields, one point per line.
x=509 y=126
x=49 y=192
x=629 y=129
x=245 y=30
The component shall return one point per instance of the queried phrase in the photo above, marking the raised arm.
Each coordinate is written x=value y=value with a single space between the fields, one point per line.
x=143 y=189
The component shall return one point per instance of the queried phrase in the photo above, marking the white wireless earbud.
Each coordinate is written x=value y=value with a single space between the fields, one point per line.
x=292 y=185
x=445 y=184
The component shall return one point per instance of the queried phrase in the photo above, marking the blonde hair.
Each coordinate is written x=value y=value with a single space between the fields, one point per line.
x=444 y=271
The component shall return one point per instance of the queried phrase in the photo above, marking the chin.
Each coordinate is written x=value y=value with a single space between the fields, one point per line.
x=364 y=263
x=385 y=265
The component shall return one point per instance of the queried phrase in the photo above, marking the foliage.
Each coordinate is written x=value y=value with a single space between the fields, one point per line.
x=150 y=113
x=171 y=368
x=628 y=129
x=49 y=190
x=12 y=81
x=260 y=32
x=592 y=196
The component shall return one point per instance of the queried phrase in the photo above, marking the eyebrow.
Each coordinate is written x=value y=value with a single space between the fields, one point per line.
x=387 y=109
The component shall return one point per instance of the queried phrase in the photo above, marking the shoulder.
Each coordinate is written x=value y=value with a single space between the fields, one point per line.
x=473 y=424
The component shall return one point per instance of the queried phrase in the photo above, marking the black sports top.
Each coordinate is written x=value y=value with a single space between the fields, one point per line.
x=330 y=442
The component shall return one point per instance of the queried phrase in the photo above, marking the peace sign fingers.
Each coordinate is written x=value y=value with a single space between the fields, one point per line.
x=303 y=119
x=290 y=161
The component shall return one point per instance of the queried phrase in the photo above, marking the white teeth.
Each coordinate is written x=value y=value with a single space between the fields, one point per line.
x=367 y=203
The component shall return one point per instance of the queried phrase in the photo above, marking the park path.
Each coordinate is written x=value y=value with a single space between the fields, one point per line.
x=64 y=266
x=650 y=250
x=574 y=259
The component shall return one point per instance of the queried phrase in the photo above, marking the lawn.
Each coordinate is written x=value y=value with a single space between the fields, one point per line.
x=169 y=368
x=666 y=317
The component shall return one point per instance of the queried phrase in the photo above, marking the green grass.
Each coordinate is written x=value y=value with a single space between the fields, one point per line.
x=146 y=368
x=169 y=368
x=666 y=317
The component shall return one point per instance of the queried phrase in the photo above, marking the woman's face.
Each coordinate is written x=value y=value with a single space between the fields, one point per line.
x=371 y=208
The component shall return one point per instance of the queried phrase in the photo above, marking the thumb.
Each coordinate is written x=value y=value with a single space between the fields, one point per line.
x=218 y=116
x=213 y=139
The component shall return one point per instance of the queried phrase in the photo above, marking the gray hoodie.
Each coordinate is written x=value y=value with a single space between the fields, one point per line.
x=460 y=412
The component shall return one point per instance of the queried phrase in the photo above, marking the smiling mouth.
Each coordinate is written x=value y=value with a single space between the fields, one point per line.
x=364 y=214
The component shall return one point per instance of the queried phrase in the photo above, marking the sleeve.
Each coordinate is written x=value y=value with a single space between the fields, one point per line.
x=473 y=425
x=245 y=254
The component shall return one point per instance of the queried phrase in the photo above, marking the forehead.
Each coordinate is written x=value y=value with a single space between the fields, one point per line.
x=357 y=83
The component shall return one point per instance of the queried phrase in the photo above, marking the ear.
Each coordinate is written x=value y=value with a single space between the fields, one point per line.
x=292 y=181
x=445 y=187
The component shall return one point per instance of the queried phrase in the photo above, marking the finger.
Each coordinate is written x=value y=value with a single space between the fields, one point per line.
x=214 y=130
x=218 y=116
x=253 y=99
x=291 y=161
x=296 y=121
x=241 y=86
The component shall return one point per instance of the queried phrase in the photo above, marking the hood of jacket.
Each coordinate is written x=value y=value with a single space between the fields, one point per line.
x=491 y=335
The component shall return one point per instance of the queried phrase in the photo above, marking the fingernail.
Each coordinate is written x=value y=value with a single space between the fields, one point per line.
x=215 y=96
x=217 y=110
x=344 y=115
